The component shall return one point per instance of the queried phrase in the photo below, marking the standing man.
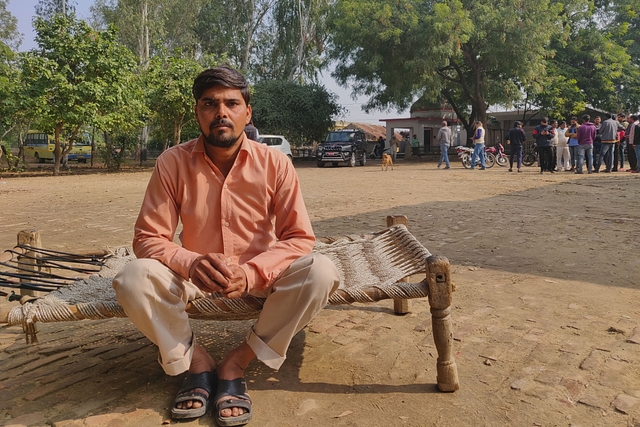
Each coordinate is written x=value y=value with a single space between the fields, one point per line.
x=393 y=148
x=618 y=149
x=543 y=134
x=608 y=137
x=586 y=135
x=563 y=161
x=251 y=131
x=597 y=142
x=515 y=139
x=629 y=133
x=444 y=138
x=554 y=144
x=478 y=145
x=245 y=232
x=572 y=134
x=415 y=145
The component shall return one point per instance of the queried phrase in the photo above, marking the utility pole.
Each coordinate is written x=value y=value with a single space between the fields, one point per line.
x=64 y=7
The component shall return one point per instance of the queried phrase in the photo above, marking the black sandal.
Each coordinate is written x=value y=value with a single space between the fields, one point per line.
x=205 y=381
x=235 y=388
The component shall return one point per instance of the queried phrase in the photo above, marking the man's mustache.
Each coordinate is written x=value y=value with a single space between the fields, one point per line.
x=225 y=122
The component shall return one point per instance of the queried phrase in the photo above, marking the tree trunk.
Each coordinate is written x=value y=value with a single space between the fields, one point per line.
x=56 y=151
x=144 y=60
x=177 y=130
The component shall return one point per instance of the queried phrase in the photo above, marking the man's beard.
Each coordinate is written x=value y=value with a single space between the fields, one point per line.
x=217 y=140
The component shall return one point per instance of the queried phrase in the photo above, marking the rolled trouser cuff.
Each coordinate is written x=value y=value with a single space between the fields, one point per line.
x=181 y=365
x=263 y=352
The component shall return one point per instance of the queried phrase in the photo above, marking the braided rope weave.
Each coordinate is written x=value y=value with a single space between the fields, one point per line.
x=371 y=268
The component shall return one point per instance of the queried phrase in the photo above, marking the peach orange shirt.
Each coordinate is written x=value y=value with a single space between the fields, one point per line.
x=255 y=216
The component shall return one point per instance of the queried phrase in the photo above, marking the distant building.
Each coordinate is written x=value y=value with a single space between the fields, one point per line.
x=373 y=132
x=425 y=121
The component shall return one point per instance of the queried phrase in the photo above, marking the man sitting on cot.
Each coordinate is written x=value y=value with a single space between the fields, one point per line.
x=246 y=231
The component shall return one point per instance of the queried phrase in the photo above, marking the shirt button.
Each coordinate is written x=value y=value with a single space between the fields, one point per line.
x=226 y=224
x=224 y=186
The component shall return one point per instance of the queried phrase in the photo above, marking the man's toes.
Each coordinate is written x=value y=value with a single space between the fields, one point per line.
x=196 y=404
x=226 y=412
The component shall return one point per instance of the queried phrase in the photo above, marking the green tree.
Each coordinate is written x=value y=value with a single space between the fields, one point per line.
x=472 y=53
x=9 y=34
x=238 y=25
x=75 y=77
x=47 y=9
x=293 y=45
x=169 y=80
x=303 y=113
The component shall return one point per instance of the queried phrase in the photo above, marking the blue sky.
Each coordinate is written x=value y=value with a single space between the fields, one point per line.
x=24 y=10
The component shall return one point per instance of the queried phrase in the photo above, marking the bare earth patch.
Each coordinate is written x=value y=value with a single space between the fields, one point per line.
x=545 y=314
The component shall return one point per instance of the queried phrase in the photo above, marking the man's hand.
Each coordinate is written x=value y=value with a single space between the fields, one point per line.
x=238 y=285
x=211 y=273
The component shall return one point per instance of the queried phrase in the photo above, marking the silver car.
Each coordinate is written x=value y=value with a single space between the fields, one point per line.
x=278 y=142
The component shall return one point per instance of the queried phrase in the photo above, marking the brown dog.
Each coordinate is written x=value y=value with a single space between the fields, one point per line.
x=387 y=161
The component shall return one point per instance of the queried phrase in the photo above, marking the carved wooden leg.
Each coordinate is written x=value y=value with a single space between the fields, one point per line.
x=29 y=238
x=400 y=306
x=440 y=289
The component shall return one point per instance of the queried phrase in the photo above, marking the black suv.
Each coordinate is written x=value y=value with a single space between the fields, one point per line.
x=343 y=146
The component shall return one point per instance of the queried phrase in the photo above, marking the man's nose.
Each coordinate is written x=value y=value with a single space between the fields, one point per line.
x=222 y=111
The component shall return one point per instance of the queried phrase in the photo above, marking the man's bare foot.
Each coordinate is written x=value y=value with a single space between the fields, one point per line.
x=200 y=362
x=230 y=368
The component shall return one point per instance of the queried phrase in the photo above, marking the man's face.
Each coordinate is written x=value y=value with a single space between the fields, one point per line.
x=554 y=125
x=562 y=126
x=574 y=122
x=222 y=115
x=620 y=119
x=597 y=120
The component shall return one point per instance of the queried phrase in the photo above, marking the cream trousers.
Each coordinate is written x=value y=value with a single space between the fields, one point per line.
x=155 y=299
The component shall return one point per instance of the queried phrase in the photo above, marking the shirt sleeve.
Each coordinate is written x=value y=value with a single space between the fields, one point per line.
x=158 y=220
x=293 y=231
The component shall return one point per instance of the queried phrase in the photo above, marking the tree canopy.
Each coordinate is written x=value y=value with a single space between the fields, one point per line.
x=78 y=76
x=301 y=112
x=474 y=54
x=9 y=34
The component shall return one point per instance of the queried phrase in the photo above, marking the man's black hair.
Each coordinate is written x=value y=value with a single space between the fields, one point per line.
x=586 y=118
x=517 y=123
x=222 y=75
x=562 y=122
x=574 y=118
x=621 y=115
x=634 y=118
x=545 y=120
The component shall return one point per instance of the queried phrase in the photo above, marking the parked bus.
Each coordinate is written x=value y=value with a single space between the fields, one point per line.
x=40 y=146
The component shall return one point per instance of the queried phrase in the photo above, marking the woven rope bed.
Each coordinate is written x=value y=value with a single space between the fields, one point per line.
x=372 y=268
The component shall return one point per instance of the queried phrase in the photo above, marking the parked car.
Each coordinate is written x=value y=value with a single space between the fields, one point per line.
x=278 y=142
x=343 y=146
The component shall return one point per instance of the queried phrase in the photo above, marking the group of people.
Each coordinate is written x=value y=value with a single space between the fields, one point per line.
x=565 y=147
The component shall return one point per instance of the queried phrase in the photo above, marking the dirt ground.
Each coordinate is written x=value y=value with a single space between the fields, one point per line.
x=546 y=313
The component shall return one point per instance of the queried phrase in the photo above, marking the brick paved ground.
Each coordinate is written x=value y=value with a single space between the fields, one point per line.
x=103 y=373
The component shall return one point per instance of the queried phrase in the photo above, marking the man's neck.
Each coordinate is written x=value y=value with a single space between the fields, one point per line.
x=223 y=158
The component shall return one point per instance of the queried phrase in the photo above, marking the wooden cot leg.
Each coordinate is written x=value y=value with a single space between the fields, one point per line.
x=29 y=238
x=400 y=306
x=440 y=289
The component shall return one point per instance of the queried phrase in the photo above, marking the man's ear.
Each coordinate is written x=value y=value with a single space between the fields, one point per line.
x=249 y=114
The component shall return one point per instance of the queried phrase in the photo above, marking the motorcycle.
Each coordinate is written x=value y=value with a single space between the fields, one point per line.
x=465 y=154
x=498 y=152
